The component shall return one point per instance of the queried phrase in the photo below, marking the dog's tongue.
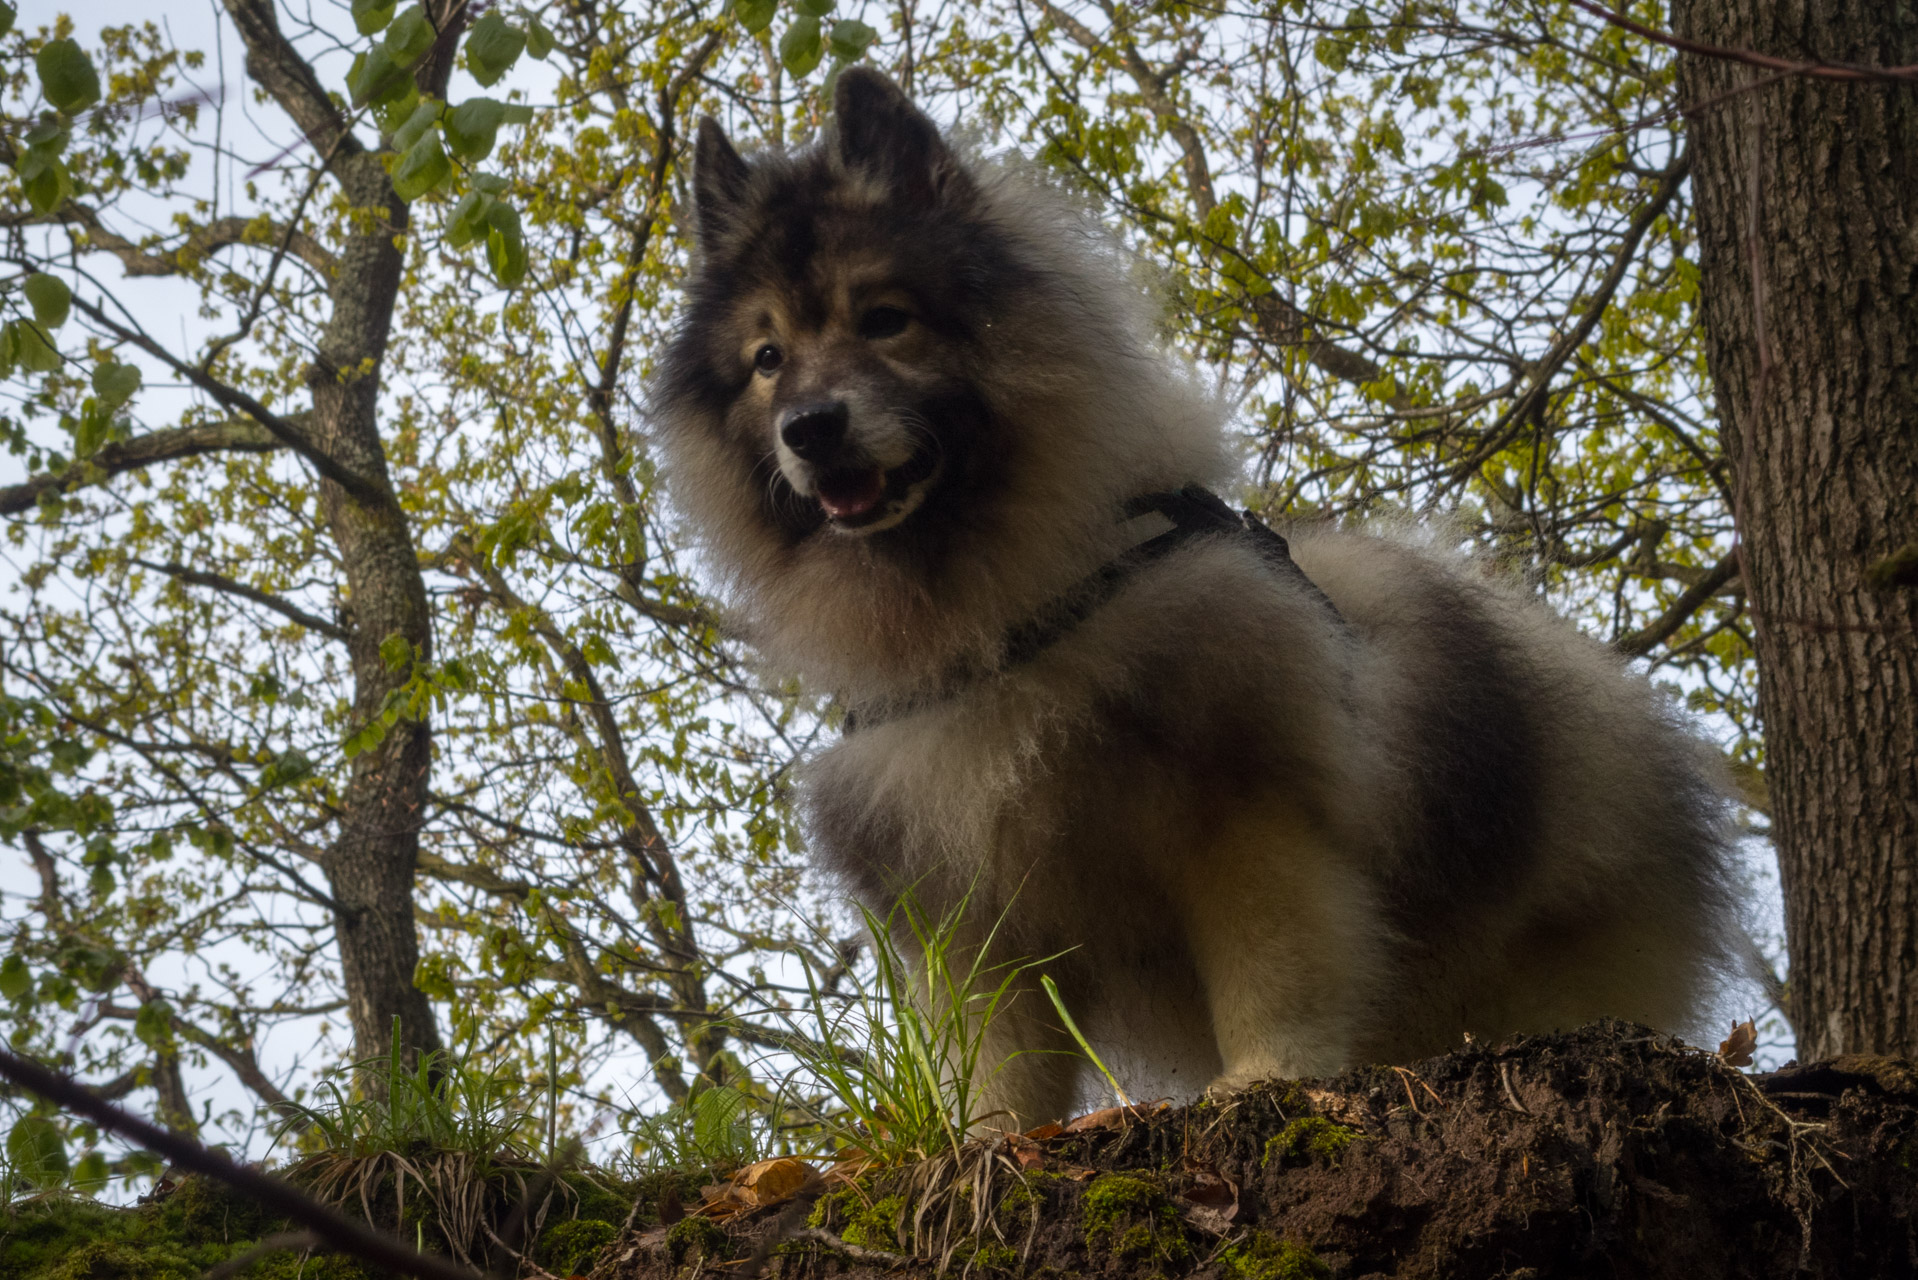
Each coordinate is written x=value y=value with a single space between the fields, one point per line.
x=847 y=495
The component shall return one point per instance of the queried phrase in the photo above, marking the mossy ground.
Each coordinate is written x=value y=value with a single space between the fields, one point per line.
x=199 y=1224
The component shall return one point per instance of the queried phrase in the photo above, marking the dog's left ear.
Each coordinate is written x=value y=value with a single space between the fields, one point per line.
x=882 y=133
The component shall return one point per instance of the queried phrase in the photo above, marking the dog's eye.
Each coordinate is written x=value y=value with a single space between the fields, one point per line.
x=882 y=322
x=767 y=358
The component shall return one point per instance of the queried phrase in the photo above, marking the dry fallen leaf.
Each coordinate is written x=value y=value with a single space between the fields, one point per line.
x=1114 y=1117
x=772 y=1181
x=1211 y=1201
x=1736 y=1049
x=756 y=1186
x=1023 y=1149
x=1045 y=1131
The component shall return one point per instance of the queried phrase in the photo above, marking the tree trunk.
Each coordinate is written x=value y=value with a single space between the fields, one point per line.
x=376 y=851
x=1807 y=194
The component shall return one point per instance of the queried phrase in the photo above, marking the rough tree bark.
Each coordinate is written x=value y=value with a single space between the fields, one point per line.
x=371 y=863
x=1807 y=197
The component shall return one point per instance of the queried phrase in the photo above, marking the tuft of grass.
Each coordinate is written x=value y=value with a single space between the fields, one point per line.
x=439 y=1103
x=898 y=1062
x=717 y=1127
x=435 y=1151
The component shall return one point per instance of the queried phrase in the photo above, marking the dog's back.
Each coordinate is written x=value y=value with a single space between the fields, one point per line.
x=1560 y=841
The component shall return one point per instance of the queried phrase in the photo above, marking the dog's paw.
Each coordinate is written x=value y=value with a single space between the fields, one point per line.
x=1231 y=1082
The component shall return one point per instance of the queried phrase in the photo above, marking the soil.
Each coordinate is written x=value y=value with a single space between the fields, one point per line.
x=1608 y=1152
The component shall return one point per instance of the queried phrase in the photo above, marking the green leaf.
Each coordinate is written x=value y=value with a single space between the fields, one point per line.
x=45 y=181
x=16 y=980
x=7 y=15
x=32 y=350
x=410 y=36
x=492 y=48
x=289 y=768
x=115 y=383
x=50 y=299
x=154 y=1024
x=396 y=652
x=90 y=432
x=91 y=1174
x=423 y=167
x=850 y=39
x=517 y=113
x=801 y=47
x=539 y=40
x=370 y=15
x=755 y=15
x=423 y=118
x=817 y=8
x=67 y=77
x=37 y=1151
x=100 y=880
x=505 y=246
x=467 y=222
x=472 y=127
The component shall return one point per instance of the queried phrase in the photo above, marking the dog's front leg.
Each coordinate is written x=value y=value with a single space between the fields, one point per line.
x=1284 y=932
x=1029 y=1070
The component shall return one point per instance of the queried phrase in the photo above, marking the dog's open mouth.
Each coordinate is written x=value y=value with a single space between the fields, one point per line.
x=851 y=494
x=858 y=497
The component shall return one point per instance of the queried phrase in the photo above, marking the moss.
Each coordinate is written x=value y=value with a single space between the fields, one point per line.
x=73 y=1238
x=603 y=1197
x=1027 y=1195
x=1117 y=1196
x=1133 y=1218
x=571 y=1246
x=1309 y=1138
x=1263 y=1257
x=696 y=1236
x=292 y=1265
x=996 y=1257
x=875 y=1225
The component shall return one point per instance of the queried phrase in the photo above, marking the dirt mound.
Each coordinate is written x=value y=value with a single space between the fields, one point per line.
x=1606 y=1152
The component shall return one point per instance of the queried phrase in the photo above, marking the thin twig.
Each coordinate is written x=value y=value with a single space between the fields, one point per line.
x=1816 y=68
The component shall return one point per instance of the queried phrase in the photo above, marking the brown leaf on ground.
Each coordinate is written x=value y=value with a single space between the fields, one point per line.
x=1045 y=1131
x=1114 y=1117
x=1209 y=1200
x=1736 y=1049
x=756 y=1186
x=772 y=1181
x=1024 y=1150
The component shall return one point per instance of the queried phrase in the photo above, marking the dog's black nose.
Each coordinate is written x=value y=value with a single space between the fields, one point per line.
x=815 y=431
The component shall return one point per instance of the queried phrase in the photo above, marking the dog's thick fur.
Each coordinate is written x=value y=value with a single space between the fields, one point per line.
x=1272 y=839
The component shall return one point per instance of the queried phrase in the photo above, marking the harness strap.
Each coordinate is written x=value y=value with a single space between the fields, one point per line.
x=1161 y=523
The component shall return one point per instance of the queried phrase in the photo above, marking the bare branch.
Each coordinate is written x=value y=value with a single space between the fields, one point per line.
x=1532 y=399
x=169 y=445
x=221 y=233
x=287 y=430
x=289 y=79
x=1659 y=630
x=266 y=599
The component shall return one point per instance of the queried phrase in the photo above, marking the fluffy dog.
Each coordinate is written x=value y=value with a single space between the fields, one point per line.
x=1282 y=811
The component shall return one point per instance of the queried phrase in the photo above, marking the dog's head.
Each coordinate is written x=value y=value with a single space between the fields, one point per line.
x=837 y=307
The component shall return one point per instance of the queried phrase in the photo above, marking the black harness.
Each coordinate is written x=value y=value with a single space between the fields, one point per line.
x=1166 y=522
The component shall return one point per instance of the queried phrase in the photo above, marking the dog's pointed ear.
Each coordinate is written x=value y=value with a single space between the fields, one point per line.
x=719 y=179
x=883 y=134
